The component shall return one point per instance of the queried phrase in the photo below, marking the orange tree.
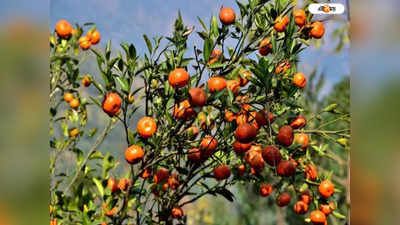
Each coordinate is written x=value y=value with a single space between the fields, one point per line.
x=197 y=138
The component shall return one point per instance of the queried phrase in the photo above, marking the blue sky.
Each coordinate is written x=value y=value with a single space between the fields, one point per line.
x=128 y=20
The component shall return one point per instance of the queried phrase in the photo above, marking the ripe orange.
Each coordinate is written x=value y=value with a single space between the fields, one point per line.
x=241 y=119
x=283 y=67
x=94 y=36
x=112 y=104
x=134 y=154
x=259 y=118
x=178 y=78
x=74 y=103
x=266 y=189
x=233 y=85
x=53 y=221
x=216 y=83
x=181 y=110
x=197 y=96
x=194 y=155
x=124 y=183
x=227 y=16
x=215 y=56
x=110 y=212
x=254 y=158
x=298 y=122
x=286 y=168
x=208 y=146
x=300 y=17
x=112 y=184
x=317 y=30
x=86 y=81
x=146 y=127
x=229 y=116
x=281 y=23
x=63 y=28
x=176 y=213
x=310 y=172
x=146 y=173
x=241 y=169
x=285 y=136
x=326 y=209
x=161 y=175
x=300 y=207
x=173 y=181
x=68 y=97
x=241 y=148
x=256 y=147
x=271 y=155
x=265 y=47
x=84 y=43
x=302 y=139
x=326 y=188
x=222 y=172
x=245 y=133
x=294 y=161
x=245 y=108
x=306 y=197
x=300 y=80
x=165 y=186
x=244 y=74
x=73 y=132
x=317 y=217
x=283 y=200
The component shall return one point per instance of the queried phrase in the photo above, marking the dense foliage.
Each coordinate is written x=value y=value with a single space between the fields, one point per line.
x=243 y=125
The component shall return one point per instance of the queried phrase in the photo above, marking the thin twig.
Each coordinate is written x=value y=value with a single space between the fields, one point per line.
x=98 y=142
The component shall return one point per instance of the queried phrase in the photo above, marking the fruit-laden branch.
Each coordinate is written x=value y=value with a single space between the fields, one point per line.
x=339 y=132
x=98 y=142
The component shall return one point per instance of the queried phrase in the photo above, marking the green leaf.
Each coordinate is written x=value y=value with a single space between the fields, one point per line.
x=330 y=107
x=207 y=49
x=290 y=29
x=338 y=215
x=202 y=24
x=274 y=44
x=96 y=155
x=124 y=84
x=148 y=43
x=230 y=97
x=79 y=156
x=131 y=137
x=125 y=46
x=95 y=101
x=99 y=186
x=243 y=9
x=214 y=26
x=107 y=51
x=92 y=132
x=230 y=50
x=132 y=51
x=217 y=65
x=218 y=94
